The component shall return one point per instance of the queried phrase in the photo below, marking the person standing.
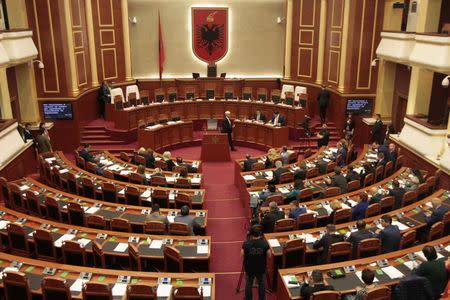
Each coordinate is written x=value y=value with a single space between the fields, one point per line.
x=376 y=130
x=323 y=136
x=104 y=96
x=42 y=142
x=323 y=97
x=255 y=251
x=227 y=127
x=349 y=128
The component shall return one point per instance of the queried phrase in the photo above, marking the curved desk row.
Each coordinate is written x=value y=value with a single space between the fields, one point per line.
x=161 y=136
x=411 y=217
x=127 y=119
x=261 y=134
x=135 y=215
x=113 y=245
x=62 y=173
x=36 y=270
x=122 y=170
x=399 y=264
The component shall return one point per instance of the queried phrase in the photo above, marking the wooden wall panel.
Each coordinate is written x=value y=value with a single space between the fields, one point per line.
x=365 y=24
x=305 y=39
x=43 y=19
x=333 y=42
x=108 y=33
x=80 y=44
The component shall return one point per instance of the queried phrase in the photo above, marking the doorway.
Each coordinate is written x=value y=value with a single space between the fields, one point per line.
x=399 y=113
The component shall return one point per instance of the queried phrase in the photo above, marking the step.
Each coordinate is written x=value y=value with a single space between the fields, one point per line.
x=103 y=142
x=93 y=131
x=97 y=136
x=94 y=127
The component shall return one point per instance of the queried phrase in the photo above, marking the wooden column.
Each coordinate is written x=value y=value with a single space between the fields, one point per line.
x=288 y=42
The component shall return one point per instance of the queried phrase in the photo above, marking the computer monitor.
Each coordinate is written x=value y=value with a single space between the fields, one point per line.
x=223 y=75
x=195 y=75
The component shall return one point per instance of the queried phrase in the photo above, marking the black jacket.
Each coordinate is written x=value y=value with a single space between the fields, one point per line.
x=358 y=236
x=307 y=290
x=339 y=181
x=248 y=163
x=398 y=194
x=326 y=242
x=322 y=166
x=323 y=97
x=268 y=222
x=277 y=173
x=227 y=127
x=390 y=239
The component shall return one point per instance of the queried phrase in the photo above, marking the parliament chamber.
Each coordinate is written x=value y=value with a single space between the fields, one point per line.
x=244 y=149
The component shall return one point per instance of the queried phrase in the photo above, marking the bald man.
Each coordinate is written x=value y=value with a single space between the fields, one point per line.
x=438 y=213
x=227 y=127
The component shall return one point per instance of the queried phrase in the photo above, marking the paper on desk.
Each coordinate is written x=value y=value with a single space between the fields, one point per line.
x=3 y=224
x=283 y=190
x=273 y=242
x=352 y=202
x=410 y=264
x=312 y=211
x=196 y=180
x=359 y=170
x=392 y=272
x=420 y=254
x=249 y=177
x=92 y=210
x=326 y=159
x=171 y=219
x=171 y=196
x=84 y=242
x=156 y=244
x=63 y=171
x=202 y=249
x=206 y=290
x=119 y=289
x=309 y=238
x=50 y=159
x=400 y=225
x=24 y=187
x=77 y=286
x=170 y=179
x=125 y=172
x=121 y=192
x=164 y=290
x=121 y=247
x=344 y=205
x=447 y=248
x=145 y=194
x=287 y=278
x=359 y=274
x=328 y=208
x=269 y=174
x=65 y=237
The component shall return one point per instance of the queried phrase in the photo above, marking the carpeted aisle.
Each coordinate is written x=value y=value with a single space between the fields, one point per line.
x=227 y=222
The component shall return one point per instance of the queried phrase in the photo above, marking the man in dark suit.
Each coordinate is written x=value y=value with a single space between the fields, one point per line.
x=278 y=171
x=352 y=174
x=392 y=153
x=343 y=152
x=314 y=284
x=383 y=149
x=376 y=196
x=271 y=191
x=323 y=136
x=337 y=180
x=42 y=142
x=381 y=159
x=27 y=135
x=390 y=235
x=438 y=213
x=361 y=234
x=321 y=165
x=88 y=157
x=227 y=127
x=323 y=97
x=398 y=193
x=248 y=163
x=329 y=238
x=278 y=119
x=377 y=129
x=300 y=173
x=259 y=116
x=269 y=219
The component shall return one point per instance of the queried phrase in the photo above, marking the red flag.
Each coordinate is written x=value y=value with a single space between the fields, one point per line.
x=161 y=48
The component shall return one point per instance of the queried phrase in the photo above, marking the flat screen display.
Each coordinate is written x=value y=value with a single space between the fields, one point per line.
x=58 y=111
x=359 y=106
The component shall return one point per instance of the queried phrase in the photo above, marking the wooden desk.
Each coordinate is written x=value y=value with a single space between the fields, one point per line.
x=161 y=136
x=347 y=284
x=413 y=218
x=215 y=147
x=201 y=110
x=187 y=245
x=122 y=170
x=136 y=215
x=59 y=161
x=33 y=272
x=262 y=134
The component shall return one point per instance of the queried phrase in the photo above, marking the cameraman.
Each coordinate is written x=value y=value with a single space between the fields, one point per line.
x=255 y=252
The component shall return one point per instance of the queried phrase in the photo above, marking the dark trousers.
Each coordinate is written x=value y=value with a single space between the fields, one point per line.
x=323 y=113
x=249 y=284
x=230 y=140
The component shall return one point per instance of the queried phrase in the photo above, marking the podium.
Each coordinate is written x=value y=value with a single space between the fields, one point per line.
x=215 y=147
